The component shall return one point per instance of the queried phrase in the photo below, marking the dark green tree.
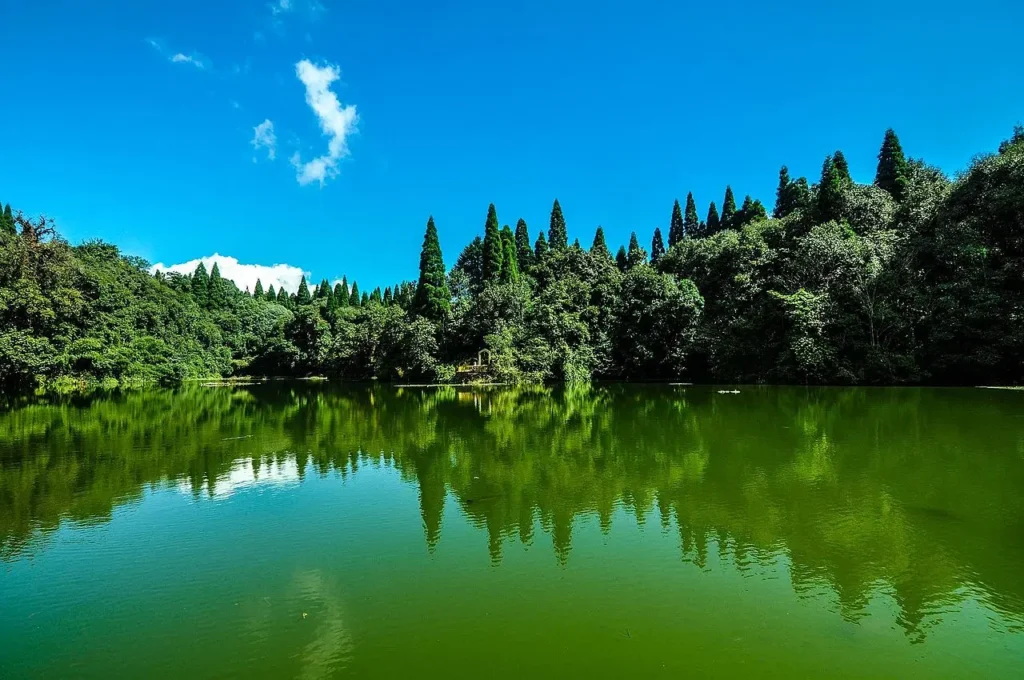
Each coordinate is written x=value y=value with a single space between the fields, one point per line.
x=387 y=296
x=271 y=294
x=433 y=299
x=282 y=297
x=691 y=223
x=636 y=255
x=323 y=291
x=558 y=237
x=599 y=248
x=340 y=295
x=783 y=206
x=7 y=225
x=751 y=211
x=302 y=296
x=728 y=210
x=376 y=297
x=540 y=248
x=493 y=251
x=657 y=246
x=676 y=229
x=622 y=259
x=364 y=300
x=524 y=251
x=201 y=286
x=893 y=170
x=830 y=191
x=712 y=225
x=354 y=300
x=842 y=167
x=258 y=292
x=218 y=297
x=471 y=263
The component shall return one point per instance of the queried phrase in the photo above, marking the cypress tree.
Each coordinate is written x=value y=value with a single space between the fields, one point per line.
x=282 y=297
x=353 y=297
x=509 y=259
x=599 y=248
x=270 y=295
x=842 y=168
x=387 y=296
x=830 y=191
x=576 y=244
x=728 y=210
x=8 y=220
x=258 y=290
x=558 y=237
x=691 y=223
x=712 y=225
x=433 y=299
x=302 y=296
x=540 y=248
x=218 y=293
x=636 y=255
x=323 y=292
x=341 y=293
x=676 y=230
x=893 y=169
x=364 y=300
x=657 y=246
x=621 y=259
x=493 y=249
x=201 y=286
x=752 y=211
x=524 y=252
x=783 y=202
x=376 y=297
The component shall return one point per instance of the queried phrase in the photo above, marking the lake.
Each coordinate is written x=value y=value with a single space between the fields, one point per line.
x=309 y=530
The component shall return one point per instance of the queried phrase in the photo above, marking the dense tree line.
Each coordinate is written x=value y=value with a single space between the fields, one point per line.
x=915 y=277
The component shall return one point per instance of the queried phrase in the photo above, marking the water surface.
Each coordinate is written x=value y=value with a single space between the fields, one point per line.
x=298 y=530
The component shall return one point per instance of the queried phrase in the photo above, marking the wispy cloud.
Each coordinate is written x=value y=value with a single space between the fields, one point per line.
x=193 y=58
x=264 y=138
x=280 y=6
x=244 y=275
x=336 y=122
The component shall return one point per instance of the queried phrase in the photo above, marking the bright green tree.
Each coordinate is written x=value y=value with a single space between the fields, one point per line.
x=353 y=297
x=830 y=191
x=676 y=229
x=271 y=294
x=218 y=296
x=433 y=299
x=257 y=292
x=376 y=297
x=283 y=298
x=201 y=285
x=364 y=300
x=893 y=170
x=302 y=296
x=387 y=296
x=750 y=212
x=493 y=250
x=842 y=167
x=7 y=225
x=558 y=237
x=341 y=293
x=636 y=255
x=509 y=258
x=657 y=246
x=728 y=210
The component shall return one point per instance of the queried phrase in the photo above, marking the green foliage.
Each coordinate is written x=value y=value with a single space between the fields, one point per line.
x=599 y=248
x=540 y=248
x=712 y=225
x=790 y=196
x=7 y=222
x=622 y=259
x=636 y=255
x=493 y=248
x=691 y=223
x=558 y=237
x=302 y=296
x=509 y=257
x=433 y=299
x=201 y=286
x=728 y=220
x=353 y=297
x=258 y=292
x=524 y=251
x=751 y=211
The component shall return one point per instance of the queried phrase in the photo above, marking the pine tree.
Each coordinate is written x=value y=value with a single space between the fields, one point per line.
x=376 y=297
x=751 y=212
x=201 y=286
x=509 y=258
x=493 y=250
x=387 y=297
x=576 y=244
x=636 y=255
x=599 y=249
x=258 y=290
x=712 y=225
x=657 y=246
x=364 y=300
x=691 y=223
x=540 y=248
x=270 y=295
x=728 y=210
x=302 y=296
x=830 y=191
x=558 y=237
x=433 y=299
x=621 y=259
x=323 y=291
x=7 y=221
x=341 y=293
x=524 y=253
x=676 y=230
x=842 y=167
x=783 y=205
x=282 y=297
x=893 y=169
x=353 y=297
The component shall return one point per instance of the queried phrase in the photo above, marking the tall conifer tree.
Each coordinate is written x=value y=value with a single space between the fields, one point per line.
x=636 y=255
x=433 y=299
x=524 y=252
x=540 y=248
x=622 y=259
x=893 y=169
x=728 y=210
x=657 y=246
x=691 y=223
x=676 y=229
x=257 y=292
x=599 y=248
x=558 y=237
x=302 y=296
x=201 y=285
x=353 y=297
x=271 y=294
x=493 y=250
x=712 y=225
x=842 y=167
x=509 y=258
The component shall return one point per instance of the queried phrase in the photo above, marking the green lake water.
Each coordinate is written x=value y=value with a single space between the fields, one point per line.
x=298 y=530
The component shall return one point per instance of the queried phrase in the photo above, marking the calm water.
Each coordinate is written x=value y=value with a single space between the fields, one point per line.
x=297 y=530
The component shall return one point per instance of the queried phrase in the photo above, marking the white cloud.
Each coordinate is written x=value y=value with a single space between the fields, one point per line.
x=280 y=6
x=336 y=122
x=244 y=275
x=197 y=60
x=264 y=138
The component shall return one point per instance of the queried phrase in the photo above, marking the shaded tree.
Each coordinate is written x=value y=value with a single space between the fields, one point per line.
x=302 y=296
x=728 y=210
x=622 y=259
x=636 y=255
x=599 y=248
x=524 y=251
x=892 y=171
x=201 y=285
x=676 y=229
x=493 y=250
x=691 y=223
x=657 y=246
x=540 y=248
x=558 y=237
x=433 y=299
x=712 y=225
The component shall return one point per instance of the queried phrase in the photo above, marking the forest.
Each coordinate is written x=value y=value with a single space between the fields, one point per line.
x=916 y=278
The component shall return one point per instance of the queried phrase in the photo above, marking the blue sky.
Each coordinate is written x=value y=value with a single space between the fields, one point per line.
x=134 y=121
